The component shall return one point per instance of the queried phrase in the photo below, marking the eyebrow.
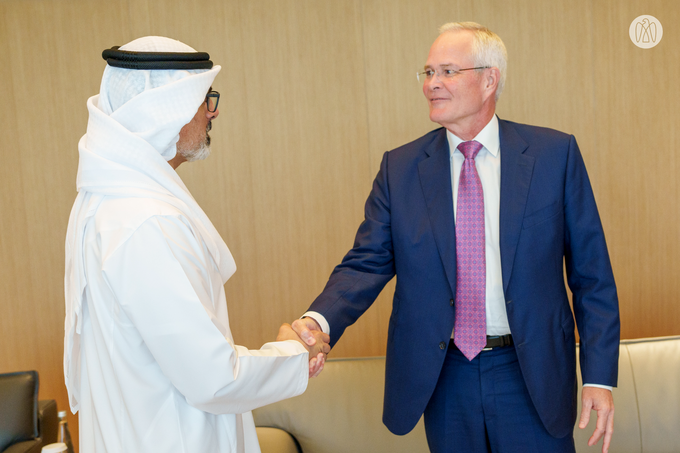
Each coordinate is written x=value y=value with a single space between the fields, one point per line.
x=441 y=65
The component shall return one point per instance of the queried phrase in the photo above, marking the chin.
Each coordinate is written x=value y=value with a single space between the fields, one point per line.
x=200 y=153
x=438 y=114
x=436 y=118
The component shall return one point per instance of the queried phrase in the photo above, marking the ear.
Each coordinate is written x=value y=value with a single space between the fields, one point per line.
x=491 y=78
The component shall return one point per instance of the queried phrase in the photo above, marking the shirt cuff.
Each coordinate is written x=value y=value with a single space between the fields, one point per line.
x=606 y=387
x=318 y=317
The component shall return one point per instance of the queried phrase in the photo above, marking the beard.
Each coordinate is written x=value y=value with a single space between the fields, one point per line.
x=200 y=152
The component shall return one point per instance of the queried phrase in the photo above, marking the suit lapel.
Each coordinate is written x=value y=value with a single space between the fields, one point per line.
x=435 y=179
x=516 y=171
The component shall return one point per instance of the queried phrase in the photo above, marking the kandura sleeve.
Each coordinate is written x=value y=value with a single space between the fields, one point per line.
x=160 y=276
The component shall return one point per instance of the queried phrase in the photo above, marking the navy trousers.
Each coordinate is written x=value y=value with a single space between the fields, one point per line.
x=483 y=405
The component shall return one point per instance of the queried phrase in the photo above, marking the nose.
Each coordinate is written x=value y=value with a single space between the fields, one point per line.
x=212 y=115
x=433 y=83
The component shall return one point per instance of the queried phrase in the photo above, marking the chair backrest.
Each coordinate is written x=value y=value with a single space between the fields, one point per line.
x=647 y=399
x=341 y=411
x=19 y=403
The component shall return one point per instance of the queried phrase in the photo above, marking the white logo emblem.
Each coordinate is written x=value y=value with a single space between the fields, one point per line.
x=645 y=31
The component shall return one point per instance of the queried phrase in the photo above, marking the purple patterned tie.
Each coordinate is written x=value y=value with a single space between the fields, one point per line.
x=469 y=333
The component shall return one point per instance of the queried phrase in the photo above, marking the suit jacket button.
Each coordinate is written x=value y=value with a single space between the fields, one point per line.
x=451 y=302
x=508 y=302
x=442 y=345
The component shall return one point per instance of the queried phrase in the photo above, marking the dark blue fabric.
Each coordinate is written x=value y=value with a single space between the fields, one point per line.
x=483 y=406
x=548 y=219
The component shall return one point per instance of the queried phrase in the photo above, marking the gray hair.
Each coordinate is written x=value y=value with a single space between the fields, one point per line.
x=487 y=48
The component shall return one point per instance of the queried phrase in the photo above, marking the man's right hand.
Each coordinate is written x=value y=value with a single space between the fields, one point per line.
x=317 y=343
x=305 y=328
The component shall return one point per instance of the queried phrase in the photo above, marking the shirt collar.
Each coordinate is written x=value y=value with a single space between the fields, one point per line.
x=488 y=137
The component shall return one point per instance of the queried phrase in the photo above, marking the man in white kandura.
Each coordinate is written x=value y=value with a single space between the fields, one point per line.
x=149 y=359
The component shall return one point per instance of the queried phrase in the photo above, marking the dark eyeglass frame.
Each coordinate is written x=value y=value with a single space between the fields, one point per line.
x=216 y=99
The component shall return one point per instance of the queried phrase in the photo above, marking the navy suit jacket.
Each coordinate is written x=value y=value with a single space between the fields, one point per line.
x=548 y=222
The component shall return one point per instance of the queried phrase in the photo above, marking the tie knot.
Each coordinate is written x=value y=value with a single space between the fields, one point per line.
x=470 y=149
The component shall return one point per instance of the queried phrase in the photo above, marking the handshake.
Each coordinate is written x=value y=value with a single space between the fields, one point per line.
x=308 y=332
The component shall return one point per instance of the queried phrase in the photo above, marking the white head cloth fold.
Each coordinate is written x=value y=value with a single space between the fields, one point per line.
x=132 y=132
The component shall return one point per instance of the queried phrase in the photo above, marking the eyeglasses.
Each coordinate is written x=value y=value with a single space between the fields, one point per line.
x=445 y=74
x=211 y=100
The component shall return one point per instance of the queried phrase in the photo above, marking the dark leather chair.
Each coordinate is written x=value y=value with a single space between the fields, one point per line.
x=26 y=424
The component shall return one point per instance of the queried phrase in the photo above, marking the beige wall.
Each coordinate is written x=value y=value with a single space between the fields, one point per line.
x=313 y=92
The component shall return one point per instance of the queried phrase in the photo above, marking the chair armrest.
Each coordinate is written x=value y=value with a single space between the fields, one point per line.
x=29 y=446
x=276 y=440
x=48 y=421
x=48 y=429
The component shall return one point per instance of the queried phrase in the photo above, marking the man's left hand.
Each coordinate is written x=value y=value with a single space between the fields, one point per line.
x=601 y=401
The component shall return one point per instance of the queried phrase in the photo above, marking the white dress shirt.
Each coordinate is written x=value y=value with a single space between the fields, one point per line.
x=488 y=164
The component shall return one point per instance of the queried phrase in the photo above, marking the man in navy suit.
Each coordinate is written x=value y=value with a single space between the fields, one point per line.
x=518 y=394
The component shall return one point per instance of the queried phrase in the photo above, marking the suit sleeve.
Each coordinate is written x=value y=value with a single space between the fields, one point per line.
x=365 y=270
x=590 y=277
